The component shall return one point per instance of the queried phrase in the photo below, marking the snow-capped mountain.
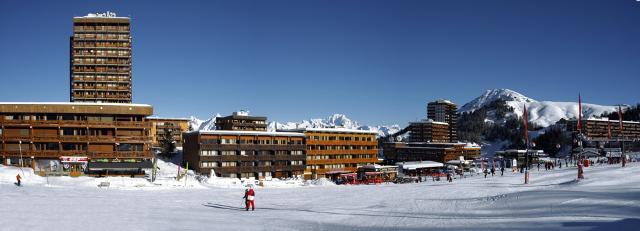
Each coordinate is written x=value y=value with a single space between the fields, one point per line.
x=333 y=121
x=198 y=124
x=542 y=113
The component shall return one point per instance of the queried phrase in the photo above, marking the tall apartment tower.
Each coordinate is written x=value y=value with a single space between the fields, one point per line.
x=444 y=111
x=101 y=59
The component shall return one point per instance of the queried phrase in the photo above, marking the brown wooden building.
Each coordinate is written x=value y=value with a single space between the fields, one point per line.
x=331 y=150
x=160 y=125
x=439 y=152
x=101 y=59
x=241 y=121
x=428 y=131
x=447 y=112
x=76 y=138
x=598 y=129
x=245 y=154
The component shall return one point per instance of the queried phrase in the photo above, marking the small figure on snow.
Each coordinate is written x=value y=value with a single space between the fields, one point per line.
x=493 y=171
x=485 y=173
x=249 y=196
x=501 y=170
x=18 y=178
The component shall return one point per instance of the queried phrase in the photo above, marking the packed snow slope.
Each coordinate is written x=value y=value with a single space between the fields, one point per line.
x=542 y=113
x=608 y=199
x=335 y=120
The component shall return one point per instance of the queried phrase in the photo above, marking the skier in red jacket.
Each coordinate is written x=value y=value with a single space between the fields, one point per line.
x=18 y=177
x=249 y=196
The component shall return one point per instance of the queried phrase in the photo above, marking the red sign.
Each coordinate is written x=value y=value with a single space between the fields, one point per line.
x=74 y=159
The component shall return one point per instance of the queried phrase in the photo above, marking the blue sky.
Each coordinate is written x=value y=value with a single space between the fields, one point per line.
x=379 y=62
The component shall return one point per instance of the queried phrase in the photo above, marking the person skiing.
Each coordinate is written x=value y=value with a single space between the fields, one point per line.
x=249 y=196
x=485 y=173
x=18 y=178
x=493 y=171
x=501 y=170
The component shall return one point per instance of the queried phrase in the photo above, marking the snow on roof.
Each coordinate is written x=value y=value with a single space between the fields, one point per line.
x=608 y=120
x=428 y=122
x=107 y=14
x=167 y=118
x=412 y=165
x=443 y=101
x=257 y=133
x=76 y=103
x=336 y=130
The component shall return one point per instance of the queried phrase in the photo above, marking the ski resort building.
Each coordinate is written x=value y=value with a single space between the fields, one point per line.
x=428 y=131
x=444 y=111
x=395 y=152
x=241 y=121
x=605 y=130
x=159 y=126
x=101 y=59
x=76 y=138
x=245 y=154
x=337 y=150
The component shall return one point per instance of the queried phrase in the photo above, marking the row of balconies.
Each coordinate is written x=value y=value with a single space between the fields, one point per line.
x=340 y=142
x=75 y=123
x=90 y=154
x=251 y=157
x=102 y=79
x=253 y=147
x=104 y=88
x=338 y=152
x=250 y=169
x=343 y=161
x=77 y=138
x=78 y=95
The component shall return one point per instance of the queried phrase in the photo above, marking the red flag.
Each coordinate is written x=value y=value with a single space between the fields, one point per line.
x=609 y=129
x=579 y=111
x=620 y=118
x=526 y=131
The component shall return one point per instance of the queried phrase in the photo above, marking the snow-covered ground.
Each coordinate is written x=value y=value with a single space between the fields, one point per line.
x=608 y=199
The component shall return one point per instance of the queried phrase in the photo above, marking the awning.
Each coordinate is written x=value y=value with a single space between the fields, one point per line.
x=422 y=164
x=119 y=165
x=337 y=172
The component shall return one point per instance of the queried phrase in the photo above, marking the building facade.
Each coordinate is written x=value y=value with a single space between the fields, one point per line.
x=241 y=121
x=161 y=125
x=76 y=138
x=598 y=129
x=245 y=154
x=395 y=152
x=447 y=112
x=428 y=131
x=101 y=59
x=330 y=150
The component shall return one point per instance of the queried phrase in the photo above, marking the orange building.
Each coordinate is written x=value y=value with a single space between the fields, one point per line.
x=335 y=150
x=159 y=125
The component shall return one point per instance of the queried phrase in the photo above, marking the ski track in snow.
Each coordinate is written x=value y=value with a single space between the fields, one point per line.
x=609 y=198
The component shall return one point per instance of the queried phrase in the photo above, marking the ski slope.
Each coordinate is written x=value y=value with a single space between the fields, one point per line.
x=608 y=199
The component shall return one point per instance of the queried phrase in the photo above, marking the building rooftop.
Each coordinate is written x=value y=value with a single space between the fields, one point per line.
x=256 y=133
x=428 y=121
x=76 y=107
x=333 y=130
x=167 y=118
x=443 y=101
x=107 y=14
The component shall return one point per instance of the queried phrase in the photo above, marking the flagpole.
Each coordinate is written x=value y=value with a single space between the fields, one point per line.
x=526 y=149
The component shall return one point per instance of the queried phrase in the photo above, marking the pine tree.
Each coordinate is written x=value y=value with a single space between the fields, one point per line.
x=168 y=143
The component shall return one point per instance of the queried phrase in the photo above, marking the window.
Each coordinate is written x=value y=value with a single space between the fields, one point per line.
x=298 y=152
x=208 y=153
x=228 y=164
x=228 y=153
